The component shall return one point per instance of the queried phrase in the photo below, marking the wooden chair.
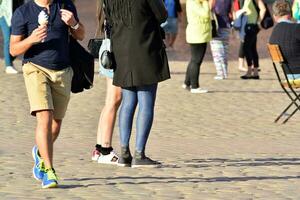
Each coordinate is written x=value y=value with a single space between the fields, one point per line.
x=289 y=86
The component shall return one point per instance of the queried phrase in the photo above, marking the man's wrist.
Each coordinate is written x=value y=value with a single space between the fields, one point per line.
x=76 y=26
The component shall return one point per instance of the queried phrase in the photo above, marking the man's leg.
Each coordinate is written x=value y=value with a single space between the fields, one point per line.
x=43 y=136
x=56 y=124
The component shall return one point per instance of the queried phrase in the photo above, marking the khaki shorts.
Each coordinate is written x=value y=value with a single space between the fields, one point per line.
x=48 y=89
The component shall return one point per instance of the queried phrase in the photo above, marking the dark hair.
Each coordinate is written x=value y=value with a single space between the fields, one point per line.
x=281 y=8
x=119 y=11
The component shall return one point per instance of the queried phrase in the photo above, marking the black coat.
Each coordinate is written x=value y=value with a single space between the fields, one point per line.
x=137 y=42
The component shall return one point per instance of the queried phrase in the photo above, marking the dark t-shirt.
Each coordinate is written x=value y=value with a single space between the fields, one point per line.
x=53 y=53
x=222 y=10
x=287 y=36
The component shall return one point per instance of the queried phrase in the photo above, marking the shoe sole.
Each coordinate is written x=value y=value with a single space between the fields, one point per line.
x=145 y=166
x=94 y=159
x=33 y=155
x=123 y=165
x=51 y=185
x=108 y=163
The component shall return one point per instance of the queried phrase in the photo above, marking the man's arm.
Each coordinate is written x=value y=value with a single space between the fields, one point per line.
x=77 y=28
x=19 y=45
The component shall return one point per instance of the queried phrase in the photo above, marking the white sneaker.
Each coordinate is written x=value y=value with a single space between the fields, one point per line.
x=111 y=158
x=10 y=70
x=184 y=86
x=198 y=90
x=219 y=77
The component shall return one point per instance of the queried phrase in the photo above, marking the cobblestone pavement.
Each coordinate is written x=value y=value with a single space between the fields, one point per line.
x=219 y=145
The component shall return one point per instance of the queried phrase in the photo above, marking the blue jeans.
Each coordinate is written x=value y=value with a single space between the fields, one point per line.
x=144 y=96
x=6 y=37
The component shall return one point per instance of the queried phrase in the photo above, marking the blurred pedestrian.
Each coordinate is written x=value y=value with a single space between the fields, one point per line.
x=220 y=42
x=7 y=7
x=171 y=25
x=255 y=11
x=198 y=34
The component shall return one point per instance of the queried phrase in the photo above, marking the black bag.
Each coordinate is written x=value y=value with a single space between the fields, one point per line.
x=94 y=46
x=107 y=59
x=82 y=63
x=267 y=21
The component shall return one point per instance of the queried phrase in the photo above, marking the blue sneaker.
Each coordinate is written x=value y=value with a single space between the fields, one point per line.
x=49 y=179
x=38 y=167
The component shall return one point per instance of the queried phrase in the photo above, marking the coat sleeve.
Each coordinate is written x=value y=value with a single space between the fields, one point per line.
x=159 y=10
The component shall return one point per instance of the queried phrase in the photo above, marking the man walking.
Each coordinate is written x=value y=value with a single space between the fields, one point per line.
x=40 y=31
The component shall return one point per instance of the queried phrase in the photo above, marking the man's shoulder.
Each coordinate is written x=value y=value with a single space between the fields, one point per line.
x=25 y=8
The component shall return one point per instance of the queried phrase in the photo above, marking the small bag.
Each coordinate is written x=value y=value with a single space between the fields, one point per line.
x=94 y=46
x=106 y=57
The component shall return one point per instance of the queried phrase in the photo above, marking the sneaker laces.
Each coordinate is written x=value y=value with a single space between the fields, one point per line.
x=41 y=165
x=51 y=174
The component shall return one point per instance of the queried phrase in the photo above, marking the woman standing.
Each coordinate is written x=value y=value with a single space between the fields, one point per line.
x=198 y=34
x=251 y=8
x=6 y=9
x=141 y=63
x=103 y=152
x=220 y=44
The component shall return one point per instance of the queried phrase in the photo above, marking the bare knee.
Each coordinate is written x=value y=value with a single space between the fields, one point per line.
x=44 y=119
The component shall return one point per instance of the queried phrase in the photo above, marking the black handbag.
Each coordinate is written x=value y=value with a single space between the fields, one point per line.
x=82 y=63
x=267 y=21
x=94 y=46
x=107 y=59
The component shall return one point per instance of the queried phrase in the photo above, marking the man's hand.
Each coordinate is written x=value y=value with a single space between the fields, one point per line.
x=68 y=17
x=38 y=35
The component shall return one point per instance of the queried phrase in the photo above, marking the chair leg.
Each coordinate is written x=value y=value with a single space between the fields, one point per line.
x=290 y=115
x=283 y=112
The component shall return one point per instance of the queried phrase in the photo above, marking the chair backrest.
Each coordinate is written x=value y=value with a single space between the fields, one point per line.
x=275 y=53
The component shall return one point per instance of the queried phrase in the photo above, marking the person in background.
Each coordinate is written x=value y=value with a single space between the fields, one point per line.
x=171 y=25
x=220 y=43
x=296 y=10
x=286 y=34
x=198 y=34
x=7 y=7
x=250 y=40
x=141 y=63
x=40 y=31
x=236 y=6
x=103 y=152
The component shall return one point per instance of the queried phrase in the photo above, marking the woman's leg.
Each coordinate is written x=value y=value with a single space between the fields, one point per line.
x=6 y=38
x=193 y=70
x=128 y=106
x=108 y=114
x=241 y=57
x=146 y=100
x=255 y=56
x=104 y=151
x=250 y=40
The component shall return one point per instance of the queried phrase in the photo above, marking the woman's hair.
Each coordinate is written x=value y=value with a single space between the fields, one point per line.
x=119 y=11
x=281 y=8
